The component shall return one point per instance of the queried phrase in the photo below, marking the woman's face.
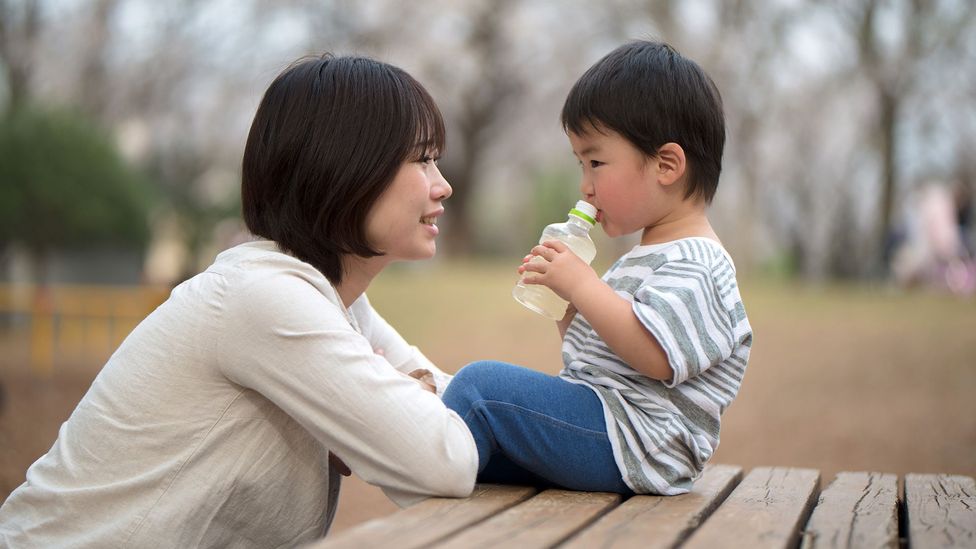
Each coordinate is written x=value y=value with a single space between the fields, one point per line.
x=402 y=222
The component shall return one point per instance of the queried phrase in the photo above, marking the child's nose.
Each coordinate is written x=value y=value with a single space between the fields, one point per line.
x=586 y=188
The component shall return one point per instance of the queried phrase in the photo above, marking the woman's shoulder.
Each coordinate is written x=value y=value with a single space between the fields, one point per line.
x=260 y=274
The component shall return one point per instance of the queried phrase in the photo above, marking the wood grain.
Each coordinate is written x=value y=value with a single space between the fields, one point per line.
x=857 y=510
x=766 y=509
x=543 y=521
x=430 y=520
x=941 y=510
x=660 y=521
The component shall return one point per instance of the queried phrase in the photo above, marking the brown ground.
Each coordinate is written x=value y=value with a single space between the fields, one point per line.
x=840 y=379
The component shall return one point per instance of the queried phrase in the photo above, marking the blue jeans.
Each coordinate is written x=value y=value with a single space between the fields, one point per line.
x=536 y=429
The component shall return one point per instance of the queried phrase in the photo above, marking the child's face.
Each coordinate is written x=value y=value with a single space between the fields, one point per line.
x=620 y=181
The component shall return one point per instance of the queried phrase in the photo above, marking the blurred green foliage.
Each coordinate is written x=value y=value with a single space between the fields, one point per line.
x=63 y=185
x=554 y=192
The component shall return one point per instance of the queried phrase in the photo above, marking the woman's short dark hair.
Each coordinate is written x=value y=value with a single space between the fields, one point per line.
x=651 y=95
x=328 y=138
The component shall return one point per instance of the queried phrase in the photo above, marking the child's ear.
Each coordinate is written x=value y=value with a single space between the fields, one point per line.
x=671 y=163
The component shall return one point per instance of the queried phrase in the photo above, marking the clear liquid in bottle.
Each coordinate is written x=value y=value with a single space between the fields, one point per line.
x=574 y=232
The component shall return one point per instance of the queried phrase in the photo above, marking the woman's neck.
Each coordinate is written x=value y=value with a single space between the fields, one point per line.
x=357 y=274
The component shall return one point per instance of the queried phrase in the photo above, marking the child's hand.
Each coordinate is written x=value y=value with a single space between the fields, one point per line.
x=557 y=267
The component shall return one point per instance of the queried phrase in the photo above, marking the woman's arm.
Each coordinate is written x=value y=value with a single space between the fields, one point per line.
x=286 y=341
x=388 y=342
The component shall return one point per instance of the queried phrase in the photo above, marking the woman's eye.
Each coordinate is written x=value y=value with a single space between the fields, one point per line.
x=427 y=159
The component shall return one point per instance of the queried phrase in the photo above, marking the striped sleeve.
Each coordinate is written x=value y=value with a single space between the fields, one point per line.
x=681 y=305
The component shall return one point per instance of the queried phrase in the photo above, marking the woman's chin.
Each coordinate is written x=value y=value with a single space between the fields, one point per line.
x=421 y=254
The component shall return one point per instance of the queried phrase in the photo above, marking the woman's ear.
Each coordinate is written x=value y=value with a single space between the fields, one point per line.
x=671 y=163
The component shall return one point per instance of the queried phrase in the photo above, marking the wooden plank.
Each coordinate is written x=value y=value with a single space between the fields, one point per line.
x=660 y=521
x=430 y=520
x=856 y=510
x=941 y=510
x=765 y=510
x=542 y=521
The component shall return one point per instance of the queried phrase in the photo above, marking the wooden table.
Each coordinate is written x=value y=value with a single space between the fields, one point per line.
x=769 y=507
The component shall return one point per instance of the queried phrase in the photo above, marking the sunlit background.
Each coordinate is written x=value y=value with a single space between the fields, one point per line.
x=846 y=195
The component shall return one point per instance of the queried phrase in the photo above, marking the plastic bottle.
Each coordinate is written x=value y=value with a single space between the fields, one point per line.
x=575 y=232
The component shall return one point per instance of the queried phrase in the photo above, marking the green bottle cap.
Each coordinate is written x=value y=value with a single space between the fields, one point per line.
x=585 y=211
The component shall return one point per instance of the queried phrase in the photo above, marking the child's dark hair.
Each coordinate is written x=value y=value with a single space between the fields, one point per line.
x=651 y=95
x=328 y=138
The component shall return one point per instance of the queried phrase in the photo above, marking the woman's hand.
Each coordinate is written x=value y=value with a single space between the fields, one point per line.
x=557 y=268
x=425 y=378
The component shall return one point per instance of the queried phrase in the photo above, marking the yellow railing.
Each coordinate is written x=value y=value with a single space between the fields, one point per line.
x=72 y=322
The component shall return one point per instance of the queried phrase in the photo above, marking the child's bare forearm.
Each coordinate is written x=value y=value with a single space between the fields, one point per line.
x=613 y=319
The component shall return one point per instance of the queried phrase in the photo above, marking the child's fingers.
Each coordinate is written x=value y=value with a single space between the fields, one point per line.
x=545 y=252
x=534 y=267
x=557 y=245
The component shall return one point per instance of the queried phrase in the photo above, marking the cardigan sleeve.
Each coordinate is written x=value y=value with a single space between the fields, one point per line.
x=400 y=354
x=283 y=339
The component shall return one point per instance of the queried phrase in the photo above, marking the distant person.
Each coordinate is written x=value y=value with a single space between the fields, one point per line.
x=213 y=423
x=963 y=200
x=934 y=251
x=653 y=352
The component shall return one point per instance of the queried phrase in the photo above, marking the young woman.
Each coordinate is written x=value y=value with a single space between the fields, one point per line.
x=213 y=423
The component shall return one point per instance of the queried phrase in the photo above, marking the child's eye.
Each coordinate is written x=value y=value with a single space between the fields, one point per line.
x=595 y=163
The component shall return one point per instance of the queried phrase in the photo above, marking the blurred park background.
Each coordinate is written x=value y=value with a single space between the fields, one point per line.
x=846 y=196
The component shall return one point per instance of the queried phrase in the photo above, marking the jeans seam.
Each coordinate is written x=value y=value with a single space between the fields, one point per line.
x=485 y=403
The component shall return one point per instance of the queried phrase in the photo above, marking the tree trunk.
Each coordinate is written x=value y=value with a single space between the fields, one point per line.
x=17 y=44
x=889 y=176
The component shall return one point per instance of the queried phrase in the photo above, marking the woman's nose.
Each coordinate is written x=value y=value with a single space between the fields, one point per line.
x=441 y=189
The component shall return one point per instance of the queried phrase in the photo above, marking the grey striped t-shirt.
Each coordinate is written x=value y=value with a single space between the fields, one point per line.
x=685 y=294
